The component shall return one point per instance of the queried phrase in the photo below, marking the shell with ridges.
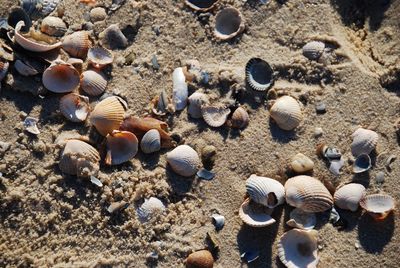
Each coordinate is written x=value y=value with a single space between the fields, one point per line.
x=313 y=50
x=184 y=160
x=196 y=101
x=378 y=205
x=99 y=57
x=151 y=141
x=259 y=74
x=201 y=5
x=77 y=44
x=265 y=191
x=255 y=215
x=149 y=208
x=200 y=259
x=122 y=146
x=29 y=44
x=286 y=112
x=93 y=83
x=229 y=22
x=364 y=141
x=349 y=196
x=60 y=77
x=53 y=26
x=240 y=118
x=215 y=116
x=75 y=107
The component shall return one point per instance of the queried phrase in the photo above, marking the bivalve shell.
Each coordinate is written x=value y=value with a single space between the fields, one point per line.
x=151 y=142
x=215 y=115
x=150 y=208
x=60 y=77
x=184 y=160
x=255 y=215
x=77 y=44
x=180 y=89
x=313 y=50
x=259 y=74
x=75 y=107
x=364 y=141
x=349 y=196
x=229 y=22
x=286 y=112
x=99 y=57
x=378 y=205
x=240 y=118
x=196 y=101
x=200 y=259
x=301 y=219
x=122 y=146
x=32 y=45
x=201 y=5
x=265 y=191
x=53 y=26
x=24 y=69
x=301 y=163
x=93 y=83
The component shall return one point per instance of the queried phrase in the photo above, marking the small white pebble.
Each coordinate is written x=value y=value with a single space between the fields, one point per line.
x=318 y=132
x=380 y=177
x=357 y=245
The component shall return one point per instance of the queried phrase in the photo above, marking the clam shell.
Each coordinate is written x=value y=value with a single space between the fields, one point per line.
x=349 y=196
x=229 y=22
x=362 y=163
x=308 y=193
x=29 y=44
x=240 y=118
x=53 y=26
x=201 y=5
x=60 y=77
x=93 y=83
x=298 y=248
x=3 y=69
x=259 y=74
x=107 y=115
x=99 y=57
x=378 y=205
x=196 y=101
x=122 y=146
x=200 y=259
x=286 y=112
x=180 y=89
x=184 y=160
x=265 y=191
x=150 y=208
x=215 y=116
x=24 y=69
x=255 y=215
x=313 y=50
x=151 y=141
x=77 y=44
x=364 y=141
x=75 y=107
x=301 y=219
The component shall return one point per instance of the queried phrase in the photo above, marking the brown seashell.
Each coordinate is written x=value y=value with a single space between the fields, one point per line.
x=99 y=57
x=122 y=146
x=201 y=5
x=77 y=44
x=53 y=26
x=229 y=22
x=240 y=118
x=75 y=107
x=255 y=215
x=29 y=44
x=200 y=259
x=349 y=196
x=60 y=77
x=286 y=112
x=93 y=83
x=378 y=206
x=215 y=116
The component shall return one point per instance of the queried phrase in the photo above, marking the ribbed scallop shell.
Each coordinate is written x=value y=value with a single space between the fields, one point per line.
x=308 y=193
x=53 y=26
x=122 y=146
x=3 y=69
x=29 y=44
x=201 y=5
x=215 y=116
x=149 y=208
x=93 y=83
x=99 y=57
x=184 y=160
x=313 y=50
x=265 y=191
x=107 y=115
x=75 y=107
x=378 y=205
x=301 y=219
x=196 y=101
x=200 y=259
x=151 y=141
x=259 y=74
x=60 y=77
x=298 y=248
x=364 y=141
x=229 y=22
x=286 y=112
x=240 y=118
x=77 y=44
x=349 y=196
x=255 y=215
x=180 y=89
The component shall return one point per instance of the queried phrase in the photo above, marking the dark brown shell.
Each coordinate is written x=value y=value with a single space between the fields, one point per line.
x=200 y=259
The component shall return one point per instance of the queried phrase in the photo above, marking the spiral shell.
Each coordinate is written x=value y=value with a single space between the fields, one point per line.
x=229 y=22
x=265 y=191
x=93 y=83
x=53 y=26
x=99 y=57
x=77 y=44
x=349 y=196
x=75 y=107
x=308 y=193
x=184 y=160
x=196 y=101
x=215 y=116
x=200 y=259
x=255 y=215
x=201 y=5
x=151 y=141
x=150 y=208
x=180 y=89
x=286 y=112
x=29 y=44
x=259 y=74
x=313 y=50
x=364 y=141
x=122 y=146
x=240 y=118
x=60 y=77
x=378 y=205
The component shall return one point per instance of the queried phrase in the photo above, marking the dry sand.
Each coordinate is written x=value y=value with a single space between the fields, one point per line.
x=49 y=220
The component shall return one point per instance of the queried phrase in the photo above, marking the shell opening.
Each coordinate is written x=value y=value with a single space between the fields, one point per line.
x=228 y=21
x=272 y=199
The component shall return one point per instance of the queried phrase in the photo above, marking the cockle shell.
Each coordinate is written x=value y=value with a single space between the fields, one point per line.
x=29 y=44
x=313 y=50
x=3 y=69
x=60 y=77
x=53 y=26
x=151 y=141
x=184 y=160
x=75 y=107
x=378 y=205
x=349 y=196
x=308 y=193
x=122 y=146
x=150 y=208
x=99 y=57
x=77 y=44
x=215 y=115
x=201 y=5
x=196 y=101
x=265 y=191
x=301 y=219
x=240 y=118
x=229 y=22
x=299 y=248
x=93 y=83
x=180 y=89
x=259 y=74
x=107 y=115
x=255 y=215
x=286 y=112
x=200 y=259
x=364 y=141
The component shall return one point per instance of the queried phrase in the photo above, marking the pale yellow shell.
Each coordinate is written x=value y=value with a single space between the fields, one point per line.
x=60 y=77
x=53 y=26
x=122 y=146
x=93 y=83
x=378 y=205
x=265 y=191
x=229 y=22
x=75 y=107
x=184 y=160
x=364 y=141
x=29 y=44
x=286 y=112
x=215 y=116
x=255 y=215
x=77 y=44
x=349 y=196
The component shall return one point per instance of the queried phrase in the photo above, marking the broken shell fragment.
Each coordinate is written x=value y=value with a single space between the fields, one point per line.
x=250 y=256
x=364 y=141
x=150 y=208
x=349 y=196
x=201 y=5
x=30 y=125
x=335 y=166
x=32 y=45
x=286 y=112
x=215 y=116
x=255 y=215
x=113 y=38
x=60 y=77
x=151 y=142
x=378 y=205
x=301 y=219
x=117 y=206
x=218 y=221
x=196 y=101
x=313 y=50
x=205 y=174
x=184 y=160
x=265 y=191
x=301 y=163
x=200 y=259
x=93 y=83
x=228 y=23
x=240 y=118
x=99 y=57
x=362 y=163
x=77 y=44
x=3 y=69
x=53 y=26
x=75 y=107
x=159 y=104
x=122 y=146
x=180 y=89
x=259 y=74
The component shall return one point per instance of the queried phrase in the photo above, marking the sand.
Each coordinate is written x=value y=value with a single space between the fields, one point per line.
x=51 y=220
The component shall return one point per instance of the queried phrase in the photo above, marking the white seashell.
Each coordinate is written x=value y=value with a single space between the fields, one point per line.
x=336 y=165
x=286 y=112
x=184 y=160
x=364 y=141
x=149 y=209
x=313 y=50
x=349 y=196
x=265 y=191
x=301 y=163
x=362 y=163
x=196 y=101
x=24 y=69
x=255 y=215
x=301 y=219
x=308 y=193
x=75 y=107
x=378 y=206
x=299 y=248
x=60 y=77
x=77 y=44
x=259 y=74
x=53 y=26
x=122 y=146
x=151 y=141
x=93 y=83
x=240 y=118
x=229 y=22
x=30 y=125
x=29 y=44
x=3 y=69
x=218 y=221
x=180 y=89
x=215 y=116
x=99 y=57
x=201 y=5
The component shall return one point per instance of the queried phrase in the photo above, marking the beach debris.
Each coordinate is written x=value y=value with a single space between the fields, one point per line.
x=29 y=44
x=77 y=44
x=259 y=74
x=96 y=181
x=200 y=259
x=349 y=196
x=39 y=8
x=335 y=166
x=115 y=207
x=205 y=174
x=286 y=112
x=53 y=26
x=362 y=163
x=201 y=5
x=320 y=108
x=318 y=132
x=75 y=107
x=160 y=104
x=60 y=77
x=239 y=119
x=113 y=38
x=378 y=206
x=97 y=14
x=313 y=50
x=218 y=221
x=229 y=22
x=196 y=101
x=99 y=57
x=122 y=146
x=380 y=177
x=154 y=63
x=180 y=89
x=184 y=160
x=151 y=142
x=250 y=256
x=93 y=83
x=364 y=141
x=265 y=191
x=301 y=219
x=301 y=163
x=30 y=124
x=333 y=156
x=255 y=215
x=150 y=207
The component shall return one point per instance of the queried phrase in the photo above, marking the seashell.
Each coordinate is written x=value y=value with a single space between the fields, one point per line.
x=38 y=8
x=313 y=50
x=301 y=163
x=180 y=89
x=3 y=69
x=93 y=83
x=151 y=142
x=298 y=248
x=30 y=125
x=98 y=14
x=77 y=63
x=60 y=77
x=122 y=146
x=265 y=191
x=75 y=107
x=96 y=181
x=200 y=259
x=77 y=44
x=215 y=116
x=184 y=160
x=364 y=141
x=301 y=219
x=308 y=193
x=29 y=44
x=53 y=26
x=362 y=163
x=196 y=101
x=201 y=5
x=205 y=174
x=150 y=208
x=229 y=22
x=286 y=112
x=259 y=74
x=255 y=215
x=250 y=256
x=99 y=57
x=349 y=196
x=159 y=104
x=16 y=15
x=240 y=118
x=378 y=205
x=335 y=166
x=107 y=115
x=79 y=158
x=218 y=221
x=113 y=38
x=117 y=206
x=24 y=69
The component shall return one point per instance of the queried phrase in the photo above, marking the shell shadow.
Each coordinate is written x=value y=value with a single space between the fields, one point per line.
x=179 y=184
x=280 y=135
x=350 y=218
x=149 y=161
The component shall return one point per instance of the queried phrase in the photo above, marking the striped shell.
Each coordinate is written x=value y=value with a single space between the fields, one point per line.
x=364 y=141
x=301 y=219
x=93 y=83
x=240 y=118
x=75 y=107
x=180 y=89
x=229 y=22
x=349 y=196
x=60 y=77
x=77 y=44
x=29 y=44
x=200 y=259
x=107 y=115
x=196 y=101
x=3 y=69
x=313 y=50
x=308 y=193
x=265 y=191
x=122 y=146
x=215 y=116
x=259 y=74
x=378 y=205
x=201 y=5
x=286 y=112
x=150 y=208
x=255 y=215
x=53 y=26
x=151 y=141
x=184 y=160
x=99 y=57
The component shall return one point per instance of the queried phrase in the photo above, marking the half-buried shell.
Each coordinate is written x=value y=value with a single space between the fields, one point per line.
x=75 y=107
x=265 y=191
x=150 y=208
x=196 y=101
x=286 y=112
x=313 y=50
x=122 y=146
x=301 y=219
x=200 y=259
x=184 y=160
x=215 y=115
x=364 y=141
x=229 y=22
x=93 y=83
x=32 y=45
x=378 y=206
x=99 y=57
x=255 y=215
x=201 y=5
x=60 y=77
x=151 y=142
x=259 y=74
x=349 y=196
x=77 y=44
